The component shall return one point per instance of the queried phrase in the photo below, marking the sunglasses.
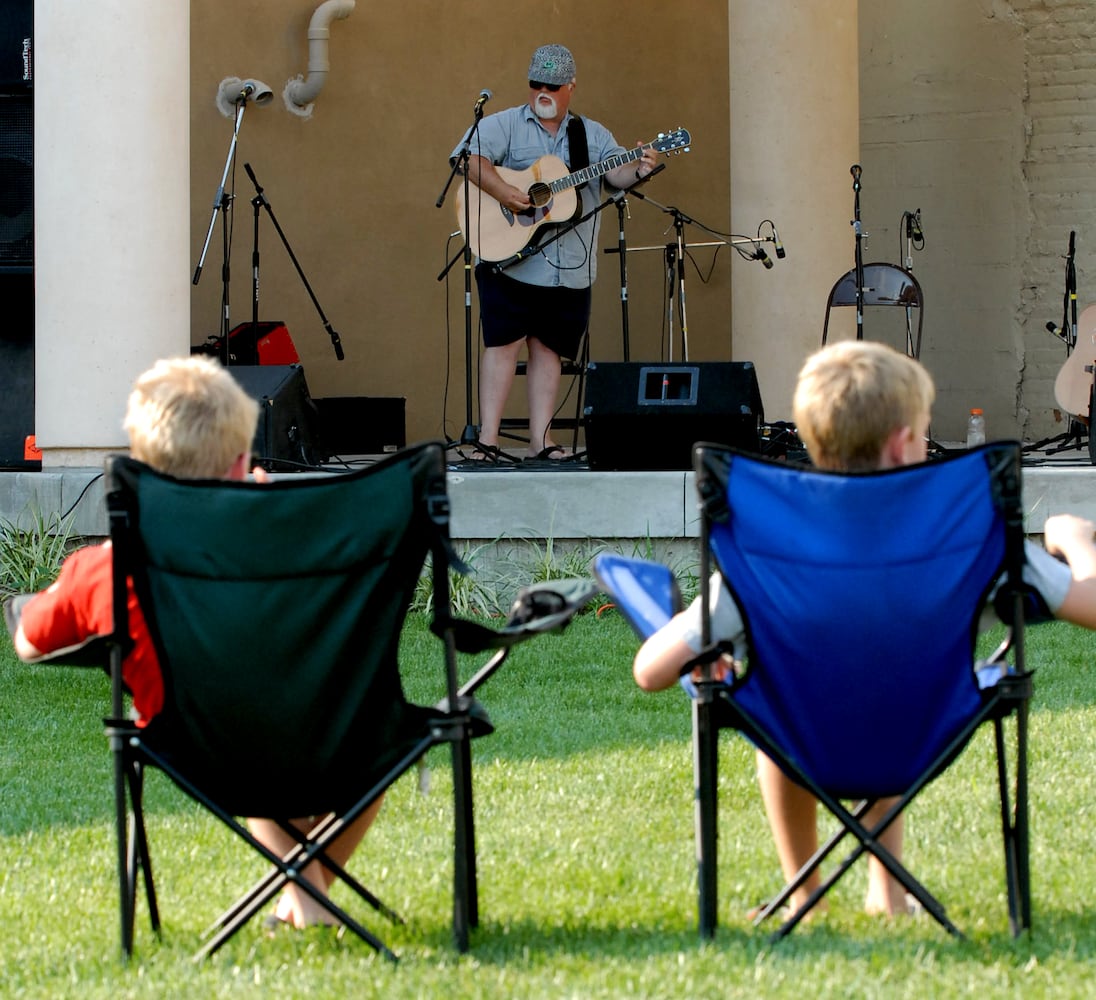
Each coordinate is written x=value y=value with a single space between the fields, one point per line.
x=550 y=87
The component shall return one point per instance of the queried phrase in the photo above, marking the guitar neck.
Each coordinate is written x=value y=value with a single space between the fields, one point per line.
x=596 y=170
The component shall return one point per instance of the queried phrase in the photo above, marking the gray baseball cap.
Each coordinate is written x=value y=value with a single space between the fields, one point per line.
x=552 y=64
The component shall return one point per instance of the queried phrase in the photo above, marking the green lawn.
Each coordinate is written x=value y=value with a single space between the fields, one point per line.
x=585 y=846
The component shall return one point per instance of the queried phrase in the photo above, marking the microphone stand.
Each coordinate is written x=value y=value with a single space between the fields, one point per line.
x=675 y=264
x=258 y=202
x=621 y=198
x=470 y=434
x=856 y=171
x=222 y=203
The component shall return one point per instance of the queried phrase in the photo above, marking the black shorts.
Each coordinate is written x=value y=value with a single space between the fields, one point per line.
x=512 y=310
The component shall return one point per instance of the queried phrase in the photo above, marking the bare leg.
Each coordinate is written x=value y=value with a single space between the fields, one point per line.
x=295 y=906
x=497 y=367
x=886 y=895
x=792 y=812
x=543 y=377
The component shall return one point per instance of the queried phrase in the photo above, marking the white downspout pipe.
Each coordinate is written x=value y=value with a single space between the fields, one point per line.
x=299 y=93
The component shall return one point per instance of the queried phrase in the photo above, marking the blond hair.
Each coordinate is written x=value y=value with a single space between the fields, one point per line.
x=851 y=396
x=189 y=417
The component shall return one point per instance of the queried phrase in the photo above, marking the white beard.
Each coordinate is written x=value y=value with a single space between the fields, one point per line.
x=545 y=106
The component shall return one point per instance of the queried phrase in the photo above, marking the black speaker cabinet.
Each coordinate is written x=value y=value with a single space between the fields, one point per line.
x=642 y=415
x=361 y=425
x=287 y=436
x=16 y=40
x=16 y=366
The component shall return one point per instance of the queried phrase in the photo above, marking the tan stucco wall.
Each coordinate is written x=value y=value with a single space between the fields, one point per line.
x=355 y=187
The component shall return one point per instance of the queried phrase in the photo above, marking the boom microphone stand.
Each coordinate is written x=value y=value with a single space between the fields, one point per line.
x=222 y=203
x=258 y=202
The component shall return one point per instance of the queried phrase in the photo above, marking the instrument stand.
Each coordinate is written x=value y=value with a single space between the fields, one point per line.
x=470 y=434
x=1078 y=435
x=260 y=202
x=222 y=204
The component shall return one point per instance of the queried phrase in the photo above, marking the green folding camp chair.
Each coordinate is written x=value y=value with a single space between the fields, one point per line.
x=277 y=609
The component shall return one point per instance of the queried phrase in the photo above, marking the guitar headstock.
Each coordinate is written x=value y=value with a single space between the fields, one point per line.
x=675 y=142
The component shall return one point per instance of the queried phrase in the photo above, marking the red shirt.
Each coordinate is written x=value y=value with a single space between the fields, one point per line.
x=78 y=606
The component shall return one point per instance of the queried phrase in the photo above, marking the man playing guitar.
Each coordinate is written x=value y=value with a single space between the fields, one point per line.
x=542 y=301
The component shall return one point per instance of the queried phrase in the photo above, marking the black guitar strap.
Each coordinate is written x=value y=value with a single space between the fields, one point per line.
x=577 y=145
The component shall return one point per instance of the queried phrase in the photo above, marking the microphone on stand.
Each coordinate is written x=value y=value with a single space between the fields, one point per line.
x=765 y=259
x=255 y=90
x=484 y=97
x=1056 y=330
x=913 y=226
x=234 y=92
x=780 y=252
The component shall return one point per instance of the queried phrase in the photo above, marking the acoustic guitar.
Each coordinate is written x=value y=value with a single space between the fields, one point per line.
x=1073 y=386
x=498 y=233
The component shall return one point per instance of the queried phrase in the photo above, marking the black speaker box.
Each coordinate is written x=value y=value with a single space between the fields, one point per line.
x=16 y=39
x=16 y=366
x=361 y=425
x=643 y=415
x=287 y=437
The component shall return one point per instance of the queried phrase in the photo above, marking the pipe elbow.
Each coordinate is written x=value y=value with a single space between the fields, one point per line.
x=300 y=93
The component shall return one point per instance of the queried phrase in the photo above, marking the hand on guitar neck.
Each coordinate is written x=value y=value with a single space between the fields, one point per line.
x=1073 y=386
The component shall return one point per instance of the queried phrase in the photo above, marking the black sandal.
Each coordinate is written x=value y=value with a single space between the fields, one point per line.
x=489 y=454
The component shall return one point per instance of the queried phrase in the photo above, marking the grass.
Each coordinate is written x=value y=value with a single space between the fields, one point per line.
x=585 y=846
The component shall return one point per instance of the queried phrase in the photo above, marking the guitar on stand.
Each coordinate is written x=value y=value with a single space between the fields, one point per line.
x=495 y=233
x=1073 y=388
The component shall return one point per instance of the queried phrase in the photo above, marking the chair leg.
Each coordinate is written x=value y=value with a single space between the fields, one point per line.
x=705 y=747
x=1014 y=825
x=465 y=889
x=139 y=852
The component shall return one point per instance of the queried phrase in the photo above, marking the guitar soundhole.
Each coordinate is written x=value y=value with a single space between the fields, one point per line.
x=540 y=194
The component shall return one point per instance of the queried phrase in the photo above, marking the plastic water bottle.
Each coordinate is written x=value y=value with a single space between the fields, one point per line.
x=976 y=428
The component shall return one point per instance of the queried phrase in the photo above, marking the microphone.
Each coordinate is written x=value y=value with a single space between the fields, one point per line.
x=856 y=171
x=913 y=223
x=253 y=89
x=484 y=97
x=765 y=259
x=1056 y=330
x=780 y=252
x=234 y=93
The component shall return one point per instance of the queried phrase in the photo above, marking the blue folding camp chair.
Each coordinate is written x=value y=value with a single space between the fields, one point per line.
x=861 y=596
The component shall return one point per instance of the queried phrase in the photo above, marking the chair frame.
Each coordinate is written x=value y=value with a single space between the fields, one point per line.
x=876 y=274
x=715 y=708
x=453 y=721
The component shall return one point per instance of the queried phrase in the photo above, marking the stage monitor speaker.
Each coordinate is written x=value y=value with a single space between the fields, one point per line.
x=287 y=437
x=361 y=425
x=642 y=415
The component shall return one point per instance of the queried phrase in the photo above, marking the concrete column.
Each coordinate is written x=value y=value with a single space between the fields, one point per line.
x=112 y=197
x=794 y=135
